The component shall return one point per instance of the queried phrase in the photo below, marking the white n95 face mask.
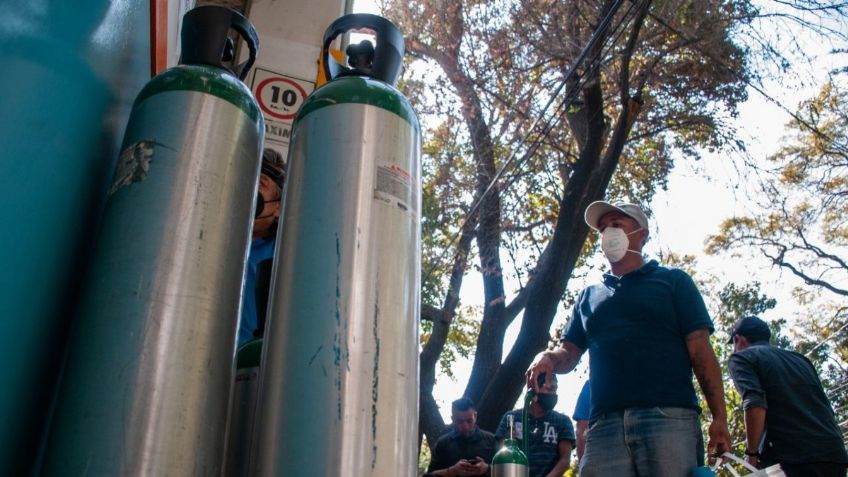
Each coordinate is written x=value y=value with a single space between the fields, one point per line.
x=614 y=243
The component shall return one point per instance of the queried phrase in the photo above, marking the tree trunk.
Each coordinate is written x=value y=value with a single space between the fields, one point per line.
x=494 y=385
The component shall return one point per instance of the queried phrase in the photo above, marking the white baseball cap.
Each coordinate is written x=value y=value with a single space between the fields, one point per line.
x=599 y=208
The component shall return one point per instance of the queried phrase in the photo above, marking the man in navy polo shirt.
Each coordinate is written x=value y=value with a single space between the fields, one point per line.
x=647 y=329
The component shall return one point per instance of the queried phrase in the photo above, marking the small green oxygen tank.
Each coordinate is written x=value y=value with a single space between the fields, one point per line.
x=243 y=408
x=510 y=461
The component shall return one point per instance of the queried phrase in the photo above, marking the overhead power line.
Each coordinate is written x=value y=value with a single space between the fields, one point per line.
x=571 y=96
x=822 y=342
x=547 y=122
x=815 y=130
x=838 y=387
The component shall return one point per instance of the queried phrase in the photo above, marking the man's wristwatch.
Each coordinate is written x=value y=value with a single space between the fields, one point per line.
x=752 y=454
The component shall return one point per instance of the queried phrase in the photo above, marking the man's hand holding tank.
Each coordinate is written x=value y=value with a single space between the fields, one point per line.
x=560 y=360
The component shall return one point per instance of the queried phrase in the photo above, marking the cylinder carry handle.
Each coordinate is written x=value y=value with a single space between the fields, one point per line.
x=387 y=55
x=205 y=39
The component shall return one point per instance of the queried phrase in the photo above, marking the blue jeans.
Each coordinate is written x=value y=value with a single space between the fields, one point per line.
x=643 y=442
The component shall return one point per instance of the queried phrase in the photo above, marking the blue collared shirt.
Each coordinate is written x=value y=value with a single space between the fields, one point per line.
x=260 y=249
x=635 y=329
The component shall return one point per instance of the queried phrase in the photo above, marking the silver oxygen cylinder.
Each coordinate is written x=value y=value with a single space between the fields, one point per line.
x=339 y=371
x=146 y=384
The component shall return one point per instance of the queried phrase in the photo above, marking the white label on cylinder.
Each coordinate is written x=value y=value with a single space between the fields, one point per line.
x=392 y=186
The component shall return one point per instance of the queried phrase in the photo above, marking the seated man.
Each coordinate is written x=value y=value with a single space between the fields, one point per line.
x=551 y=433
x=466 y=449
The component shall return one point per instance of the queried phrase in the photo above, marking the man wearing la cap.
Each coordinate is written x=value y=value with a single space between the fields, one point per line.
x=788 y=418
x=647 y=329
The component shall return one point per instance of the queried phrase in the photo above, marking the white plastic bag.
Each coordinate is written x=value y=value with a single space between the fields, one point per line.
x=771 y=471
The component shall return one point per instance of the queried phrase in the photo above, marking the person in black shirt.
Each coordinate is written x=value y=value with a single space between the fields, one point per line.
x=788 y=418
x=465 y=449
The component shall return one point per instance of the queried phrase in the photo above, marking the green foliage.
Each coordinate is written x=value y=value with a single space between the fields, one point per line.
x=803 y=199
x=815 y=161
x=802 y=229
x=737 y=302
x=485 y=71
x=461 y=339
x=448 y=172
x=731 y=303
x=687 y=263
x=424 y=457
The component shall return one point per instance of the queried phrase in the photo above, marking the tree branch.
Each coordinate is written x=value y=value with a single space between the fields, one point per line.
x=779 y=261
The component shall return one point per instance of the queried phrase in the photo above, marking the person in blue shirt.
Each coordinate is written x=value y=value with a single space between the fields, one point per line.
x=582 y=412
x=264 y=236
x=647 y=329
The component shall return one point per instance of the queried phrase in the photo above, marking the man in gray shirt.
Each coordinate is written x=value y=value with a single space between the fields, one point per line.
x=788 y=418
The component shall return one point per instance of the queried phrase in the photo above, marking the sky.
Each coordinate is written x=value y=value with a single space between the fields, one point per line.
x=681 y=222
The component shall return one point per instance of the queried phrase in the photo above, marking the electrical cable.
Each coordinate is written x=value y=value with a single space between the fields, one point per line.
x=533 y=146
x=838 y=387
x=822 y=342
x=748 y=82
x=556 y=117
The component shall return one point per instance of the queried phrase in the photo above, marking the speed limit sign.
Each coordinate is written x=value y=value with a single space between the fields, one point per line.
x=279 y=96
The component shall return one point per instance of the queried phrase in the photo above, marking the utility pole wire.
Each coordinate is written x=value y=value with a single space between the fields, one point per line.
x=822 y=342
x=535 y=144
x=750 y=84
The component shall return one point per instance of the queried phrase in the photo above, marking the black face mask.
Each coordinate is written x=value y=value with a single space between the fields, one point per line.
x=547 y=401
x=260 y=206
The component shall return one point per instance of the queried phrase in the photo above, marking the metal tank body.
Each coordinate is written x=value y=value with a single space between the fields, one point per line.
x=146 y=383
x=339 y=371
x=510 y=461
x=509 y=470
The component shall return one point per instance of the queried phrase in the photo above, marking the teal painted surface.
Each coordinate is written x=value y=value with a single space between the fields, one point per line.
x=358 y=89
x=70 y=71
x=203 y=79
